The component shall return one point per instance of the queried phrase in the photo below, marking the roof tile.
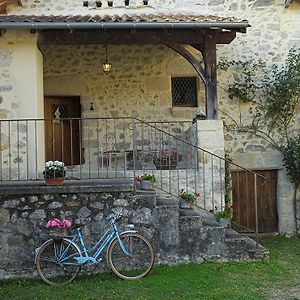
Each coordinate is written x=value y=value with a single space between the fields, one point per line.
x=116 y=18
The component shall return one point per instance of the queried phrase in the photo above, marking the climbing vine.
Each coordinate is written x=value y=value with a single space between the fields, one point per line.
x=273 y=96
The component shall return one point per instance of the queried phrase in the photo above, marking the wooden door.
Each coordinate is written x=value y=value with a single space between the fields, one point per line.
x=62 y=132
x=243 y=200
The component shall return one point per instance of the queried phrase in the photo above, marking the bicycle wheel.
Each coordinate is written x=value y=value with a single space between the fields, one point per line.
x=140 y=261
x=55 y=261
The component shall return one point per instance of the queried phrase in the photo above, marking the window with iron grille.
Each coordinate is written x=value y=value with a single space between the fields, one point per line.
x=184 y=91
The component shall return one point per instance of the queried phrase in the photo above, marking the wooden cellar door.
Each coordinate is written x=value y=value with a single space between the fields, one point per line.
x=243 y=200
x=62 y=132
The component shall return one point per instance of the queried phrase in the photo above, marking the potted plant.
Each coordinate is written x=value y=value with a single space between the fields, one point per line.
x=147 y=181
x=58 y=227
x=54 y=172
x=165 y=159
x=186 y=199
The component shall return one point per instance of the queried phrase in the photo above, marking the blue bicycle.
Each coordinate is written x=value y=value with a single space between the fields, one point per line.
x=130 y=255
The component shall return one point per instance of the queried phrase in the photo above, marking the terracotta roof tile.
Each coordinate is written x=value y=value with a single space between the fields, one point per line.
x=116 y=18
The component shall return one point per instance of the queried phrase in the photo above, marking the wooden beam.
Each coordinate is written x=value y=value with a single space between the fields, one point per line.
x=129 y=37
x=190 y=58
x=118 y=37
x=210 y=61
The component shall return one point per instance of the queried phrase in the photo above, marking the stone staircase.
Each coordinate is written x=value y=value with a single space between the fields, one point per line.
x=196 y=235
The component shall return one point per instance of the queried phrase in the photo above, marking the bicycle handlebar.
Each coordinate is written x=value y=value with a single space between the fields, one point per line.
x=115 y=217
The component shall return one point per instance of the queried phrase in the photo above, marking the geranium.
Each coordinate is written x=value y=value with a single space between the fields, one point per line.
x=54 y=169
x=189 y=197
x=166 y=155
x=56 y=223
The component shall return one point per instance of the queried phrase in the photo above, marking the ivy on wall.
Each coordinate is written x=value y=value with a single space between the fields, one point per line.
x=273 y=97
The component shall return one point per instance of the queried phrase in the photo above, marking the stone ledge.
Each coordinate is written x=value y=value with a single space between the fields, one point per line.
x=70 y=186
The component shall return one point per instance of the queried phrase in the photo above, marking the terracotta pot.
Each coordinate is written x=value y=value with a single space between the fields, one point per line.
x=55 y=181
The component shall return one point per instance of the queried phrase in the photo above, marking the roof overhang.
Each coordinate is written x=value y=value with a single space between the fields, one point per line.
x=134 y=29
x=121 y=22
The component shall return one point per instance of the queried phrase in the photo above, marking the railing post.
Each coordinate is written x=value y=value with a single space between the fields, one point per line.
x=256 y=215
x=134 y=153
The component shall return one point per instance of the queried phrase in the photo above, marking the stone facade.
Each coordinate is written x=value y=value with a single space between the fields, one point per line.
x=139 y=84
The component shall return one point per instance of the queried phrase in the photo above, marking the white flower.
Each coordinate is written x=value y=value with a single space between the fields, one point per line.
x=49 y=163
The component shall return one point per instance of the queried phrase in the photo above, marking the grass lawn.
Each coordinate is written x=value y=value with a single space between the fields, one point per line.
x=248 y=280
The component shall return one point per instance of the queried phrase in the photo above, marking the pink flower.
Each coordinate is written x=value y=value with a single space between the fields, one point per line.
x=58 y=223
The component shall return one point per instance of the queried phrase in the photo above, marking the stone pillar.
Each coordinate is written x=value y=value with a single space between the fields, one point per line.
x=211 y=168
x=21 y=96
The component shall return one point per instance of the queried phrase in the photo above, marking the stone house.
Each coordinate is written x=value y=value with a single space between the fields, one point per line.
x=58 y=102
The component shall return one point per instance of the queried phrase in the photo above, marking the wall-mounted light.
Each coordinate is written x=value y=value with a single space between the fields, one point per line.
x=106 y=66
x=92 y=106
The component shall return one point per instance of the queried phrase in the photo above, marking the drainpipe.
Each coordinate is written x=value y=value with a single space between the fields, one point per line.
x=123 y=25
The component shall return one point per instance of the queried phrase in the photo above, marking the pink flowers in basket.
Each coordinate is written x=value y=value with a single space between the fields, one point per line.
x=56 y=223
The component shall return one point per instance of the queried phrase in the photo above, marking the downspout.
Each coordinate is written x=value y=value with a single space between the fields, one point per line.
x=122 y=25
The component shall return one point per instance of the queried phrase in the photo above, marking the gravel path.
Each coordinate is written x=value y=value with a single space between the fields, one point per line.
x=287 y=293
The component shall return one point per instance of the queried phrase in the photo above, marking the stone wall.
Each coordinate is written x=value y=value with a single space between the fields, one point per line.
x=24 y=211
x=23 y=218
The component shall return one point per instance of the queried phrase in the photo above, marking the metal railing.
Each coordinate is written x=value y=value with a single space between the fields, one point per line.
x=94 y=148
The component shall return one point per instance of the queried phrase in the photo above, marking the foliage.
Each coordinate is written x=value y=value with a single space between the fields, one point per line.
x=54 y=169
x=291 y=159
x=254 y=280
x=245 y=85
x=282 y=93
x=228 y=187
x=148 y=177
x=189 y=197
x=274 y=99
x=225 y=214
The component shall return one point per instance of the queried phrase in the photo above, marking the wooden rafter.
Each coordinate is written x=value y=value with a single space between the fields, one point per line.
x=180 y=49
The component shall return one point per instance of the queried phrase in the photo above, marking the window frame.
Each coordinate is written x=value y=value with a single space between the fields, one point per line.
x=195 y=102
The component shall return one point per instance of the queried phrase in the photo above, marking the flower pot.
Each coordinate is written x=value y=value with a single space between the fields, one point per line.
x=184 y=204
x=165 y=164
x=146 y=185
x=55 y=181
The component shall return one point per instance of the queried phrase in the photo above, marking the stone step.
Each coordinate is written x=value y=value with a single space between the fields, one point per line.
x=200 y=232
x=145 y=198
x=259 y=252
x=166 y=200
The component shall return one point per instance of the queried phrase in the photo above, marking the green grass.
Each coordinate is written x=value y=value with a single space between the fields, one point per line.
x=248 y=280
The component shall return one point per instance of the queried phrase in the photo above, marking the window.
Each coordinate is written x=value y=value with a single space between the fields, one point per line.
x=184 y=91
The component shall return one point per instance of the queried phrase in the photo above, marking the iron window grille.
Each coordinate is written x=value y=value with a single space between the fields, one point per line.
x=184 y=91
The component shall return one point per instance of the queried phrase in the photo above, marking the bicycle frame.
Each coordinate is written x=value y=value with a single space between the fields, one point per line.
x=98 y=248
